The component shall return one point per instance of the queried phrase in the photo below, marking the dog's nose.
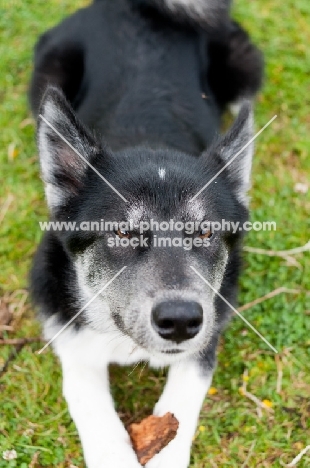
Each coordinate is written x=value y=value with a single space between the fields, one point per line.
x=177 y=320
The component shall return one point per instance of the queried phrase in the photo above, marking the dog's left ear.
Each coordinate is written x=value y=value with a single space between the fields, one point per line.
x=232 y=147
x=66 y=148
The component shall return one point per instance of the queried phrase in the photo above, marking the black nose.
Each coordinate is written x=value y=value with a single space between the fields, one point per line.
x=177 y=320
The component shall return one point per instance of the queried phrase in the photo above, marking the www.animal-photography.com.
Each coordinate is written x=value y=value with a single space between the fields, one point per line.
x=154 y=220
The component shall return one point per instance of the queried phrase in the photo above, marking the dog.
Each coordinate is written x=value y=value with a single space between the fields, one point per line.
x=129 y=97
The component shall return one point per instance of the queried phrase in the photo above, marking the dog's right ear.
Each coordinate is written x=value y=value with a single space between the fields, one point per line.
x=65 y=148
x=235 y=150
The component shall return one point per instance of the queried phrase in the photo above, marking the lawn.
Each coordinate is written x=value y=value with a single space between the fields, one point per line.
x=236 y=429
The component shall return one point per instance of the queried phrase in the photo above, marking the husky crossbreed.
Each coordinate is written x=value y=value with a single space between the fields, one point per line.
x=129 y=96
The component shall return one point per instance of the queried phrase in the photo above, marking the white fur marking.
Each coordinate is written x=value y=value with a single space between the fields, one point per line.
x=196 y=6
x=46 y=160
x=162 y=173
x=84 y=357
x=183 y=396
x=235 y=107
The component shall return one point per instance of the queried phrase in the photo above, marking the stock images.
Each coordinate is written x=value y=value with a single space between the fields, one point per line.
x=154 y=226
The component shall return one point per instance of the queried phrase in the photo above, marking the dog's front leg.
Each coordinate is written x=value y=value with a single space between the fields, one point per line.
x=183 y=396
x=105 y=441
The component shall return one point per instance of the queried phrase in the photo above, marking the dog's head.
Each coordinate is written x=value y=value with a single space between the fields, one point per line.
x=165 y=240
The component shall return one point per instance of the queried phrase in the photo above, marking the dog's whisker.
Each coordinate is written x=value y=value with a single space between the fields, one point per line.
x=131 y=353
x=133 y=350
x=120 y=344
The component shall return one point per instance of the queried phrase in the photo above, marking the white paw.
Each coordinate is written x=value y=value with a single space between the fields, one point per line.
x=175 y=455
x=113 y=455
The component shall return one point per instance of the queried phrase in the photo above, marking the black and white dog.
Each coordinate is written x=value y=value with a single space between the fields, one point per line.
x=148 y=81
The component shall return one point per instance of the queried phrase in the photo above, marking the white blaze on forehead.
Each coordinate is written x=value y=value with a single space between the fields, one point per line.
x=162 y=173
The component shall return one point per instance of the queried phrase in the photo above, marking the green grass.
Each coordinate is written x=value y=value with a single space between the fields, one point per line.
x=33 y=416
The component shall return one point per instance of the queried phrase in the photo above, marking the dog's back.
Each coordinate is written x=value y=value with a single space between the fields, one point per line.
x=141 y=71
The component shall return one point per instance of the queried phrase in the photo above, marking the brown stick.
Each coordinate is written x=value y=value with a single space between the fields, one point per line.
x=5 y=207
x=11 y=357
x=271 y=294
x=20 y=341
x=259 y=404
x=279 y=253
x=280 y=373
x=296 y=459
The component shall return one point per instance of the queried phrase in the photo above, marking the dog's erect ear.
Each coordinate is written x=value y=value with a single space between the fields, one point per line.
x=65 y=147
x=232 y=148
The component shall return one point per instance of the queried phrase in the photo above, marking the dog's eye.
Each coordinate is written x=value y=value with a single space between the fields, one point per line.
x=205 y=234
x=122 y=233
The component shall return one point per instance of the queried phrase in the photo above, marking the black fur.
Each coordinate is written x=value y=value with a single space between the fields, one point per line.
x=236 y=66
x=61 y=65
x=152 y=89
x=53 y=281
x=72 y=57
x=133 y=92
x=215 y=16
